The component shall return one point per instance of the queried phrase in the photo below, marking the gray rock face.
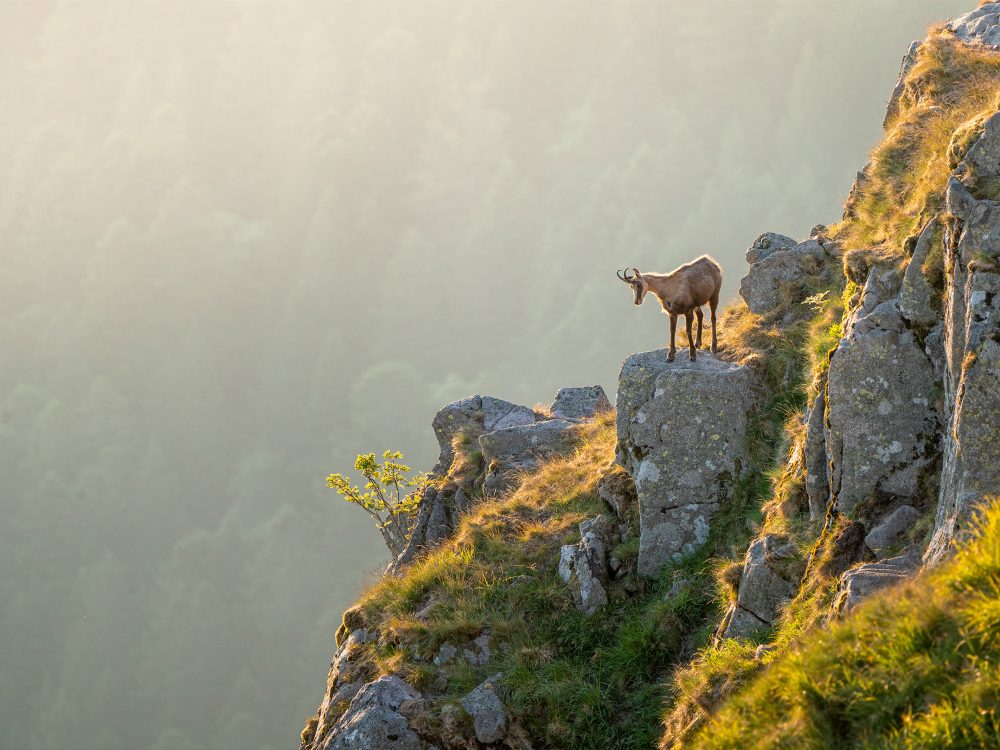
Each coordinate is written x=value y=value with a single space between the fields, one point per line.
x=489 y=717
x=980 y=27
x=971 y=466
x=909 y=59
x=513 y=449
x=373 y=722
x=475 y=414
x=346 y=677
x=781 y=276
x=918 y=303
x=437 y=518
x=771 y=573
x=584 y=566
x=682 y=436
x=859 y=583
x=891 y=532
x=882 y=411
x=580 y=403
x=768 y=244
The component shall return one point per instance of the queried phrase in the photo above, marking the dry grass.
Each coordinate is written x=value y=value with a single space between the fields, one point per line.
x=948 y=92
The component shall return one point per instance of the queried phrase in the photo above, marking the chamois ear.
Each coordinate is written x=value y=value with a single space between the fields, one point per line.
x=636 y=272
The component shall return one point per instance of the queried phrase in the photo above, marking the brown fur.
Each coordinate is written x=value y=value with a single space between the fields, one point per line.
x=682 y=292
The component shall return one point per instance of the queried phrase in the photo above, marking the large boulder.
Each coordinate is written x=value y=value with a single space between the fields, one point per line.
x=781 y=276
x=881 y=403
x=682 y=435
x=373 y=721
x=980 y=27
x=771 y=573
x=580 y=403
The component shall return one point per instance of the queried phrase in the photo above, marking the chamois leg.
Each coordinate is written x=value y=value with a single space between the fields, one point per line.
x=673 y=334
x=701 y=316
x=712 y=304
x=688 y=320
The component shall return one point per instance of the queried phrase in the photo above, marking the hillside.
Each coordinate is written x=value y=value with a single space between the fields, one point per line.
x=788 y=544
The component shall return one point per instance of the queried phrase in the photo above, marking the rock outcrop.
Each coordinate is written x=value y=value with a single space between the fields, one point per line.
x=979 y=28
x=881 y=401
x=971 y=343
x=682 y=435
x=510 y=439
x=902 y=424
x=512 y=450
x=770 y=577
x=781 y=274
x=580 y=403
x=373 y=719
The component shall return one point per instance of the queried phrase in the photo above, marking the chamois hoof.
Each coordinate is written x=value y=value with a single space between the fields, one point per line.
x=693 y=356
x=670 y=357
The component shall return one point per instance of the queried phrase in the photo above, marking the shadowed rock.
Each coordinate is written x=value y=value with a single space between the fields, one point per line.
x=909 y=60
x=771 y=572
x=892 y=531
x=918 y=303
x=859 y=583
x=584 y=566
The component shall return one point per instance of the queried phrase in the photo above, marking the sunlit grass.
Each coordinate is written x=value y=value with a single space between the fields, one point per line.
x=917 y=666
x=949 y=92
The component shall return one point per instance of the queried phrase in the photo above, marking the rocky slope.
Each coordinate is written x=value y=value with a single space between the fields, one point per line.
x=589 y=578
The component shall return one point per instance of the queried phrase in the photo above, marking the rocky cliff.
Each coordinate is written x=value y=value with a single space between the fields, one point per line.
x=586 y=577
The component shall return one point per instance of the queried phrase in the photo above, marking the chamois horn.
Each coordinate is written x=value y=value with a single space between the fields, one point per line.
x=625 y=277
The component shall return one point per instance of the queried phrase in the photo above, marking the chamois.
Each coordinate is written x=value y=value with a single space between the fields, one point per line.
x=682 y=292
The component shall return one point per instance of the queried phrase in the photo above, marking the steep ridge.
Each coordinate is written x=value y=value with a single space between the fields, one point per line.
x=574 y=573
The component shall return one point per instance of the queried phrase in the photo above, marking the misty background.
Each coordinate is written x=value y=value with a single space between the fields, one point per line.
x=243 y=241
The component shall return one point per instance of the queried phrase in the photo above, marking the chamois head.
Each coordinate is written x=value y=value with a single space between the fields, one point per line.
x=638 y=284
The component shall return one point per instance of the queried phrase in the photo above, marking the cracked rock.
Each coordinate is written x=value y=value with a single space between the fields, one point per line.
x=489 y=717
